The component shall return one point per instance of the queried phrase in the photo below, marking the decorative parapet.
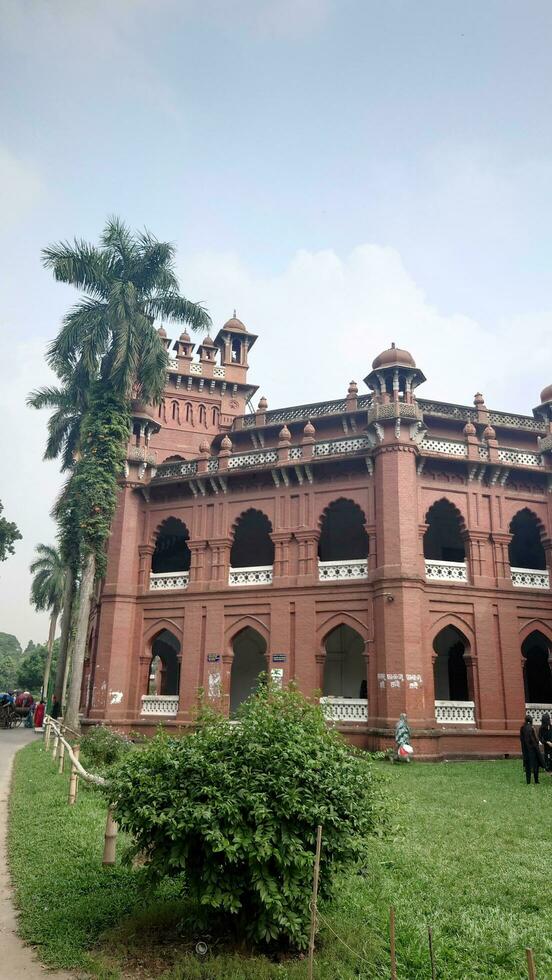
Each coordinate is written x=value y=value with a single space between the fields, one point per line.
x=336 y=447
x=455 y=712
x=537 y=711
x=161 y=581
x=530 y=578
x=545 y=444
x=450 y=447
x=163 y=705
x=446 y=571
x=255 y=575
x=339 y=571
x=345 y=710
x=176 y=468
x=394 y=410
x=519 y=457
x=250 y=460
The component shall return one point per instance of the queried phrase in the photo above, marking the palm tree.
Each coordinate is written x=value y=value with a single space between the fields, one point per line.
x=47 y=592
x=128 y=281
x=69 y=401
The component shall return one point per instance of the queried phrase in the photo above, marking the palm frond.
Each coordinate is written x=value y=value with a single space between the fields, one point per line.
x=81 y=265
x=176 y=308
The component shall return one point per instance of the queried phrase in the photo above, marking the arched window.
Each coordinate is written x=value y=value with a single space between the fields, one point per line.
x=252 y=546
x=443 y=538
x=175 y=412
x=189 y=413
x=249 y=661
x=172 y=553
x=162 y=411
x=536 y=669
x=342 y=532
x=525 y=549
x=450 y=672
x=164 y=673
x=215 y=415
x=344 y=666
x=202 y=415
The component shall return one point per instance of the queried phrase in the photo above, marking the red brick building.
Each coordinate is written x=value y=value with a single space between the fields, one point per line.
x=390 y=552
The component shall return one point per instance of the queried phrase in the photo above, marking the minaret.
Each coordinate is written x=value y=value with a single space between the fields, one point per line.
x=401 y=678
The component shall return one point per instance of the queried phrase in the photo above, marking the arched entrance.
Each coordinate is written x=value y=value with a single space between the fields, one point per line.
x=452 y=677
x=164 y=675
x=249 y=662
x=444 y=551
x=170 y=563
x=345 y=685
x=537 y=675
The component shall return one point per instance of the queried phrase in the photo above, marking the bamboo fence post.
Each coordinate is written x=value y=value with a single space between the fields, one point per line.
x=431 y=955
x=47 y=735
x=110 y=840
x=392 y=943
x=314 y=900
x=74 y=780
x=530 y=963
x=56 y=742
x=61 y=756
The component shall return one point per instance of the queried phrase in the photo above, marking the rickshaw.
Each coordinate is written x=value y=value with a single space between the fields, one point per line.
x=9 y=714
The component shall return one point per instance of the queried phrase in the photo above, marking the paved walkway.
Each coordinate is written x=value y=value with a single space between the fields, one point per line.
x=17 y=961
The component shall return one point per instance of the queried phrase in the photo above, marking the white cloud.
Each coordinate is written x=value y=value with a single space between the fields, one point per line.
x=323 y=319
x=20 y=185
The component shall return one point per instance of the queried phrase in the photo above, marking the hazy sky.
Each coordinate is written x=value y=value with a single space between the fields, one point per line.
x=344 y=172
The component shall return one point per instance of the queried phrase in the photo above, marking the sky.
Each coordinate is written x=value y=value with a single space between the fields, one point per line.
x=344 y=173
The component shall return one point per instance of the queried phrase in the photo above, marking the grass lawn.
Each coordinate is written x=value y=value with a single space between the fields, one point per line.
x=471 y=857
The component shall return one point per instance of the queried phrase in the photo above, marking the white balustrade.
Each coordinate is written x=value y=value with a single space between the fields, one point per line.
x=446 y=571
x=338 y=571
x=172 y=364
x=450 y=447
x=165 y=705
x=537 y=710
x=455 y=712
x=520 y=456
x=255 y=575
x=530 y=578
x=352 y=710
x=168 y=580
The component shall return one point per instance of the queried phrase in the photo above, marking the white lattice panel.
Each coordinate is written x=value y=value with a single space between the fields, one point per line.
x=255 y=575
x=172 y=364
x=450 y=447
x=517 y=421
x=352 y=710
x=530 y=578
x=296 y=452
x=196 y=368
x=219 y=372
x=212 y=465
x=455 y=712
x=166 y=470
x=446 y=571
x=339 y=446
x=519 y=456
x=338 y=571
x=483 y=452
x=165 y=705
x=537 y=711
x=247 y=460
x=160 y=581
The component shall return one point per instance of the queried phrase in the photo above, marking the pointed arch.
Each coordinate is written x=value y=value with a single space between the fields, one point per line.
x=459 y=623
x=158 y=626
x=171 y=552
x=343 y=536
x=445 y=533
x=536 y=650
x=345 y=665
x=249 y=662
x=452 y=682
x=202 y=415
x=175 y=411
x=252 y=544
x=242 y=623
x=341 y=619
x=536 y=626
x=526 y=549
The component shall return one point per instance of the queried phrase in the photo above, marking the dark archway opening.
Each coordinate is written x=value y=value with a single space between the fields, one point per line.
x=344 y=666
x=164 y=674
x=343 y=534
x=443 y=538
x=537 y=673
x=249 y=662
x=252 y=546
x=451 y=672
x=172 y=553
x=525 y=549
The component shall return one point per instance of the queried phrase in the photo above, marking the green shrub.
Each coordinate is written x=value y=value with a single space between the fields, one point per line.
x=234 y=810
x=102 y=747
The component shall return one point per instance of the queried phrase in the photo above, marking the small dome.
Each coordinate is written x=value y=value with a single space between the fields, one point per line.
x=208 y=341
x=546 y=394
x=284 y=434
x=353 y=388
x=392 y=357
x=263 y=404
x=478 y=399
x=226 y=444
x=162 y=332
x=234 y=324
x=469 y=429
x=204 y=446
x=489 y=432
x=185 y=337
x=309 y=429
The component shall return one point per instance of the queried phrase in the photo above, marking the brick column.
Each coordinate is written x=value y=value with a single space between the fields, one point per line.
x=281 y=541
x=308 y=554
x=145 y=552
x=478 y=554
x=220 y=550
x=198 y=549
x=500 y=541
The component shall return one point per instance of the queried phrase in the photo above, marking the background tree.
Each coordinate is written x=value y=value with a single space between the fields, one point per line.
x=128 y=281
x=9 y=534
x=47 y=590
x=10 y=656
x=30 y=672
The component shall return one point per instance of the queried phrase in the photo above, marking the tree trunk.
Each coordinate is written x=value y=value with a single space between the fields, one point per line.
x=48 y=664
x=71 y=716
x=65 y=633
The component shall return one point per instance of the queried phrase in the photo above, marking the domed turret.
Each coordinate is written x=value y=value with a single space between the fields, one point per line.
x=394 y=376
x=162 y=332
x=546 y=395
x=235 y=324
x=393 y=357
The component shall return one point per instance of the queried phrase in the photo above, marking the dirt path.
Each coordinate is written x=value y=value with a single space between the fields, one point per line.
x=17 y=961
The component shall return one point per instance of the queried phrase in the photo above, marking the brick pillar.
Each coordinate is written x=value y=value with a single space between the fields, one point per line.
x=198 y=550
x=145 y=552
x=307 y=539
x=220 y=565
x=500 y=541
x=281 y=569
x=478 y=554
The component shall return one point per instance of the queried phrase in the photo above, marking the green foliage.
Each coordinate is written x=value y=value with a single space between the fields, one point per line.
x=10 y=645
x=48 y=571
x=8 y=672
x=9 y=534
x=235 y=810
x=30 y=671
x=102 y=747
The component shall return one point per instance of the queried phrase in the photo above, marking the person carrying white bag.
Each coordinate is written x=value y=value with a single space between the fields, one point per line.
x=402 y=738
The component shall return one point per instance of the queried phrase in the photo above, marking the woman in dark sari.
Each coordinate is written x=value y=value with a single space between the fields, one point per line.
x=532 y=757
x=545 y=738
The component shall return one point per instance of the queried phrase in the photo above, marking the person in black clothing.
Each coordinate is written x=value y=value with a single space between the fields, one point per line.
x=56 y=708
x=532 y=758
x=545 y=738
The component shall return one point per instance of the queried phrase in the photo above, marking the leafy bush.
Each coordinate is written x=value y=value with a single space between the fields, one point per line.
x=102 y=747
x=234 y=809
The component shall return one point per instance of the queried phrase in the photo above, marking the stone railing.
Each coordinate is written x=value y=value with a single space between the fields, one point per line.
x=338 y=571
x=519 y=457
x=255 y=575
x=249 y=460
x=176 y=468
x=168 y=580
x=446 y=571
x=537 y=711
x=336 y=447
x=530 y=578
x=450 y=447
x=455 y=712
x=352 y=710
x=172 y=364
x=165 y=705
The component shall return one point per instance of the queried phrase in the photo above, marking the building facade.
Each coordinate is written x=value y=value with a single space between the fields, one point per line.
x=386 y=552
